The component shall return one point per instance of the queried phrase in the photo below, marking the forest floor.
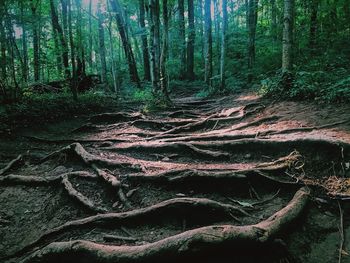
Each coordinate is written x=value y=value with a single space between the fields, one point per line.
x=232 y=179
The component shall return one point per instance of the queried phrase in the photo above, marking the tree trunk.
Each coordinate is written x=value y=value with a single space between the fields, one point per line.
x=80 y=47
x=134 y=77
x=36 y=36
x=59 y=34
x=154 y=11
x=200 y=24
x=190 y=43
x=223 y=44
x=3 y=43
x=181 y=7
x=208 y=43
x=313 y=24
x=24 y=46
x=163 y=57
x=101 y=38
x=146 y=65
x=252 y=22
x=274 y=21
x=217 y=31
x=89 y=57
x=73 y=85
x=287 y=44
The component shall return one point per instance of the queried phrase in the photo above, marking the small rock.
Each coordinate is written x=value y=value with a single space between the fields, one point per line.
x=180 y=195
x=166 y=159
x=115 y=204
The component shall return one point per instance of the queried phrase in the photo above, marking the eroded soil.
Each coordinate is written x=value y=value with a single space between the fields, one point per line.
x=182 y=165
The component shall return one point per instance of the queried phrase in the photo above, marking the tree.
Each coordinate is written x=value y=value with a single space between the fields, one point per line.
x=287 y=44
x=208 y=42
x=252 y=22
x=134 y=77
x=145 y=55
x=223 y=44
x=36 y=39
x=164 y=53
x=101 y=38
x=59 y=34
x=181 y=7
x=190 y=42
x=155 y=44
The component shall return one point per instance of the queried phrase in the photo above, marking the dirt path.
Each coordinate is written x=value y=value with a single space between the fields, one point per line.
x=234 y=179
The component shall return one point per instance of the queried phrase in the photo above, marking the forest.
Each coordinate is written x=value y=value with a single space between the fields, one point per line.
x=174 y=130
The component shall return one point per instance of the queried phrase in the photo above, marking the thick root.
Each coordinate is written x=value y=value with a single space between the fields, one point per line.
x=175 y=246
x=173 y=206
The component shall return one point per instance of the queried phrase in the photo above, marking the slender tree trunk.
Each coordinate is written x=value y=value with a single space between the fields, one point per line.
x=59 y=33
x=208 y=43
x=223 y=44
x=146 y=65
x=3 y=51
x=190 y=43
x=274 y=20
x=101 y=38
x=252 y=19
x=80 y=47
x=155 y=45
x=182 y=36
x=126 y=44
x=89 y=57
x=36 y=36
x=313 y=24
x=72 y=52
x=201 y=28
x=163 y=57
x=287 y=44
x=217 y=31
x=24 y=46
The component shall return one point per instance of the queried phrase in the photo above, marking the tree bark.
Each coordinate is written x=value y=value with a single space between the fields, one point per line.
x=59 y=33
x=287 y=44
x=73 y=85
x=3 y=43
x=274 y=20
x=190 y=43
x=145 y=55
x=252 y=22
x=80 y=47
x=163 y=57
x=223 y=44
x=181 y=7
x=101 y=41
x=156 y=45
x=134 y=77
x=208 y=43
x=36 y=36
x=24 y=46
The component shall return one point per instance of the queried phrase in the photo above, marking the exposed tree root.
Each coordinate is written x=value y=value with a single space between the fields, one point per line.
x=175 y=246
x=90 y=159
x=174 y=147
x=80 y=197
x=262 y=170
x=41 y=180
x=11 y=164
x=171 y=206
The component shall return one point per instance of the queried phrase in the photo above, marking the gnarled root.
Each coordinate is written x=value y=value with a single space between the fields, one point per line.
x=171 y=206
x=173 y=247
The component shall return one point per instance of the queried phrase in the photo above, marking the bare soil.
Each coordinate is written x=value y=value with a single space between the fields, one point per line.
x=160 y=181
